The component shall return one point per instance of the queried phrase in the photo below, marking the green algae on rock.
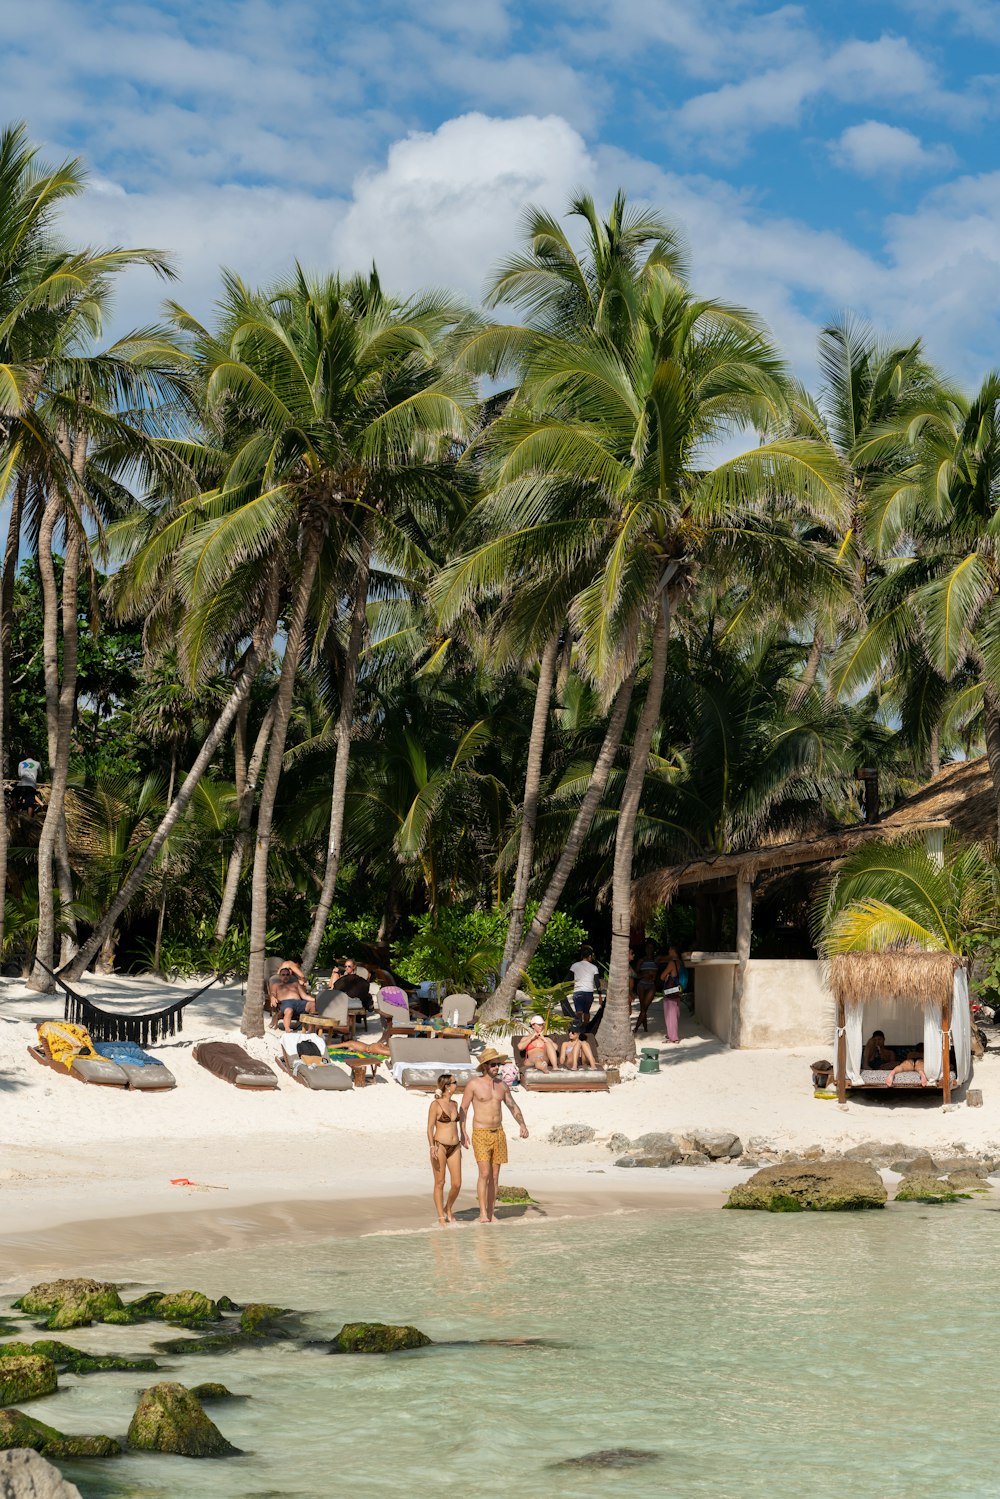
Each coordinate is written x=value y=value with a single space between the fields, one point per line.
x=19 y=1430
x=258 y=1320
x=377 y=1337
x=212 y=1391
x=186 y=1308
x=72 y=1303
x=170 y=1418
x=75 y=1361
x=929 y=1189
x=26 y=1376
x=811 y=1186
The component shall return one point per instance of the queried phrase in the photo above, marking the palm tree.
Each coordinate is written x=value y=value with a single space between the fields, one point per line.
x=897 y=894
x=606 y=457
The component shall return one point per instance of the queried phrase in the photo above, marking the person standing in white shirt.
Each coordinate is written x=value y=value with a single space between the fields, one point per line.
x=586 y=981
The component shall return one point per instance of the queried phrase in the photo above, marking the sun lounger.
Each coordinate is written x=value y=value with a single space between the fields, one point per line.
x=417 y=1063
x=233 y=1065
x=562 y=1079
x=68 y=1049
x=300 y=1058
x=145 y=1074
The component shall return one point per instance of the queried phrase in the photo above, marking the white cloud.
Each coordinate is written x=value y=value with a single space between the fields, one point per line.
x=875 y=149
x=445 y=206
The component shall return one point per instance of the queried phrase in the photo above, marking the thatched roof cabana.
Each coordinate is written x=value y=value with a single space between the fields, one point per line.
x=915 y=998
x=958 y=799
x=902 y=975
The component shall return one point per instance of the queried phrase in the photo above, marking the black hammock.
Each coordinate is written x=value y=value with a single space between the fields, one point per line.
x=145 y=1028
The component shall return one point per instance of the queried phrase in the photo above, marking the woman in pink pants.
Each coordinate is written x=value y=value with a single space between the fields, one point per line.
x=670 y=978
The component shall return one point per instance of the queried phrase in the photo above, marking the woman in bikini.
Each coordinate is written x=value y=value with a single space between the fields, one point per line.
x=446 y=1148
x=536 y=1049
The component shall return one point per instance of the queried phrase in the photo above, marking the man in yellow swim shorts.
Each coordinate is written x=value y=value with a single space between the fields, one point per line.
x=486 y=1095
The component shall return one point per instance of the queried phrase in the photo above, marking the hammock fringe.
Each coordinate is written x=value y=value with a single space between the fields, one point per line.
x=145 y=1029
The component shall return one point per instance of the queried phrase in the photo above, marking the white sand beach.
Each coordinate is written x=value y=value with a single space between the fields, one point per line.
x=87 y=1171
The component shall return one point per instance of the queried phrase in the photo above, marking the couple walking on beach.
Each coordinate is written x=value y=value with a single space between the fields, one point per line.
x=447 y=1135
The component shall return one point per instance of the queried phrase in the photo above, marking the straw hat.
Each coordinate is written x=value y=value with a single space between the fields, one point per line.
x=490 y=1055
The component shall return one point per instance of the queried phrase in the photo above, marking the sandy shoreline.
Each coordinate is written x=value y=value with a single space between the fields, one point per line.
x=88 y=1171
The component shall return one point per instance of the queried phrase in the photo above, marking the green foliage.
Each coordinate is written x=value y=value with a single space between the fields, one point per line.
x=462 y=950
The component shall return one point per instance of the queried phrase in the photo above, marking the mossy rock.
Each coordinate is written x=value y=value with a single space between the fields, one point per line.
x=26 y=1377
x=926 y=1189
x=76 y=1361
x=211 y=1391
x=514 y=1194
x=170 y=1418
x=227 y=1304
x=187 y=1308
x=19 y=1430
x=211 y=1342
x=967 y=1181
x=811 y=1186
x=377 y=1337
x=73 y=1303
x=258 y=1320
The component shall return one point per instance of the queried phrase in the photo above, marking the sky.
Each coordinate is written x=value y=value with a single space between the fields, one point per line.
x=817 y=158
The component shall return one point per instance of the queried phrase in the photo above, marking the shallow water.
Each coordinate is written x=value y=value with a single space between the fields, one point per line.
x=752 y=1354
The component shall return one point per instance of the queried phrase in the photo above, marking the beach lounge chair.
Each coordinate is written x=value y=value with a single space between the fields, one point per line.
x=394 y=1009
x=145 y=1073
x=464 y=1004
x=317 y=1073
x=233 y=1065
x=332 y=1017
x=562 y=1079
x=68 y=1049
x=418 y=1062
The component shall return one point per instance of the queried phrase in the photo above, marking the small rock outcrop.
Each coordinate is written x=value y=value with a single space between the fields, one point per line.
x=377 y=1337
x=919 y=1188
x=170 y=1418
x=967 y=1181
x=182 y=1308
x=70 y=1360
x=212 y=1391
x=611 y=1457
x=73 y=1303
x=821 y=1186
x=19 y=1430
x=26 y=1376
x=571 y=1134
x=618 y=1143
x=258 y=1320
x=514 y=1195
x=25 y=1474
x=717 y=1144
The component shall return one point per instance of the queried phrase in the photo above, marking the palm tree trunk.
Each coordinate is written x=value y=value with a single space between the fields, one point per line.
x=991 y=714
x=342 y=743
x=497 y=1008
x=532 y=792
x=617 y=1041
x=252 y=1023
x=4 y=835
x=807 y=680
x=161 y=915
x=247 y=793
x=10 y=559
x=65 y=708
x=104 y=928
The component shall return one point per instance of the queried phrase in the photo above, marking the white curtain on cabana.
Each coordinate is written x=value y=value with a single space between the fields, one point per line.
x=961 y=1033
x=855 y=1038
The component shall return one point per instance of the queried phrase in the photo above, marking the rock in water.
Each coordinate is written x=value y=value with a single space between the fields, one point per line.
x=377 y=1337
x=571 y=1134
x=212 y=1391
x=73 y=1303
x=824 y=1187
x=514 y=1194
x=258 y=1320
x=926 y=1189
x=19 y=1430
x=611 y=1457
x=24 y=1474
x=169 y=1418
x=25 y=1377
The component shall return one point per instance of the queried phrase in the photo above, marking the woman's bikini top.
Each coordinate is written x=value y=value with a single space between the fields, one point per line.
x=446 y=1118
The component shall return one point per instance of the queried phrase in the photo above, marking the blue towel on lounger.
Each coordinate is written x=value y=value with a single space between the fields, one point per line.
x=125 y=1051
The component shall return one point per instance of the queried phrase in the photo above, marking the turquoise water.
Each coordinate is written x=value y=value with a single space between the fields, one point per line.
x=752 y=1354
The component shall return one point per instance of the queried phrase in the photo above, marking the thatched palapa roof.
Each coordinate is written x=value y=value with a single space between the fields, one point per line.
x=904 y=974
x=958 y=799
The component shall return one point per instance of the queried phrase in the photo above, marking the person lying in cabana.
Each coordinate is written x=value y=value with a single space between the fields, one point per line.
x=878 y=1057
x=913 y=1063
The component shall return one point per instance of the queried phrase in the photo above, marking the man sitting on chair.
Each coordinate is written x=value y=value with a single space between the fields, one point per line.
x=288 y=995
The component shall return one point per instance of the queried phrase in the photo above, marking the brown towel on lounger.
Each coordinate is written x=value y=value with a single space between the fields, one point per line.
x=226 y=1060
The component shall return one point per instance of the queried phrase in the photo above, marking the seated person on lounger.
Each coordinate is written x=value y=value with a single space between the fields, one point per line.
x=914 y=1063
x=576 y=1049
x=288 y=994
x=536 y=1048
x=878 y=1057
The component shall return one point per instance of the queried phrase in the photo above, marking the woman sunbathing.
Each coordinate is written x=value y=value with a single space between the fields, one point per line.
x=878 y=1057
x=914 y=1063
x=575 y=1048
x=536 y=1048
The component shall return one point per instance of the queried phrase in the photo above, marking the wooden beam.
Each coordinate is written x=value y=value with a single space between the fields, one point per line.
x=744 y=925
x=841 y=1053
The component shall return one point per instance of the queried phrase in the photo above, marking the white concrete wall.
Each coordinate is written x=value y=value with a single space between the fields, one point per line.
x=785 y=1002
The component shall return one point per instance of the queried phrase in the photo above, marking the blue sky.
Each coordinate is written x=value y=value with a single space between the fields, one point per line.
x=817 y=157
